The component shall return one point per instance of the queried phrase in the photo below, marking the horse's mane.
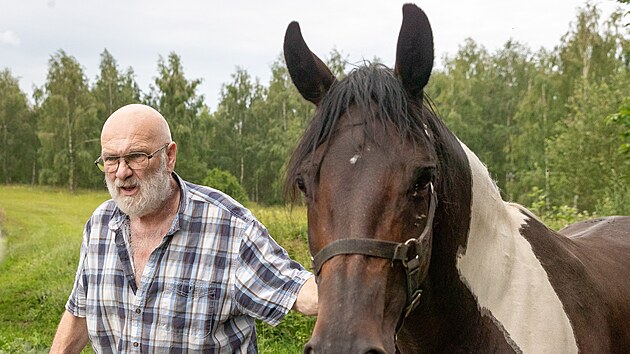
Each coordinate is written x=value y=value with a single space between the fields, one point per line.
x=377 y=97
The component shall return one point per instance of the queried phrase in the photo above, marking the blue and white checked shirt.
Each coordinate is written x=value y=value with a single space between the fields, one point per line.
x=214 y=272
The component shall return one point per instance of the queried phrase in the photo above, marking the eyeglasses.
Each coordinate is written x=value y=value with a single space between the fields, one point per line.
x=135 y=161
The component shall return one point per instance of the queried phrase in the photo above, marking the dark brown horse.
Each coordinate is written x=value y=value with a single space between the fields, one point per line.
x=414 y=248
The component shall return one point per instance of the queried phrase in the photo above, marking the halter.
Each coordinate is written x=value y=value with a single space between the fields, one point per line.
x=408 y=253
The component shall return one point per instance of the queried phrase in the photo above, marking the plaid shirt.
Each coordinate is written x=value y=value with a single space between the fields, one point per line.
x=215 y=271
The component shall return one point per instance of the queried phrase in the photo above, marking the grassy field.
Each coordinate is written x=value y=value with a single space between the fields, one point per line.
x=41 y=237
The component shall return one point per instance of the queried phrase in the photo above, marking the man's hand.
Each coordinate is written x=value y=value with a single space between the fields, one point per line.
x=306 y=302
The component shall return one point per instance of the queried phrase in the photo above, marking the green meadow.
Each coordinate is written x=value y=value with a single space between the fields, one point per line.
x=39 y=250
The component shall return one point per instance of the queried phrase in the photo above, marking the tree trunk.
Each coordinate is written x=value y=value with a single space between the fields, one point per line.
x=70 y=153
x=5 y=140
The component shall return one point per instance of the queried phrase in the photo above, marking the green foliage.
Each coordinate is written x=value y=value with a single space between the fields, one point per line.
x=175 y=97
x=227 y=183
x=537 y=119
x=555 y=217
x=615 y=198
x=289 y=337
x=584 y=148
x=113 y=88
x=67 y=126
x=622 y=118
x=336 y=62
x=18 y=142
x=282 y=116
x=238 y=143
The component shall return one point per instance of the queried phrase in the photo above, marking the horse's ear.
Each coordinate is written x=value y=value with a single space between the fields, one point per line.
x=414 y=52
x=309 y=74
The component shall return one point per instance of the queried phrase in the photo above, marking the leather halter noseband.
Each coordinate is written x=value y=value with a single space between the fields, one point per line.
x=408 y=253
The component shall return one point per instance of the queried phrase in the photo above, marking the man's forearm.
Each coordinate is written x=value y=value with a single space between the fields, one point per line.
x=72 y=335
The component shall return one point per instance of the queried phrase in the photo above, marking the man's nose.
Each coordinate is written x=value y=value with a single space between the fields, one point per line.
x=123 y=170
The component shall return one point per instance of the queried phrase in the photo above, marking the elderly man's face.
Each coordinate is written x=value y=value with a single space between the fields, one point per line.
x=138 y=193
x=141 y=188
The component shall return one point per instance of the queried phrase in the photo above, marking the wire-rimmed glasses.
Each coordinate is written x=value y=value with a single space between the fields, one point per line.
x=135 y=160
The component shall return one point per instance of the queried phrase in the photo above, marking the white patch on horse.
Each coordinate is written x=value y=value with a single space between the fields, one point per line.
x=354 y=159
x=502 y=272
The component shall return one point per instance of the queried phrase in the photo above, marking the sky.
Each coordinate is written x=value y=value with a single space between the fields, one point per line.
x=215 y=37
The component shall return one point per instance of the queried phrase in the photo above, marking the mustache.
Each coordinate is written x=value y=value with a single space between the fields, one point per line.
x=128 y=183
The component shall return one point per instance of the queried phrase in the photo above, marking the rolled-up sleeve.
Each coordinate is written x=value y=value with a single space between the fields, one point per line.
x=267 y=280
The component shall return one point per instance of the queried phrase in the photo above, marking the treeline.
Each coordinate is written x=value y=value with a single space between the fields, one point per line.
x=549 y=124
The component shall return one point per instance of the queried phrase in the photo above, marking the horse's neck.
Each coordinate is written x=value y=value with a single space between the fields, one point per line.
x=502 y=272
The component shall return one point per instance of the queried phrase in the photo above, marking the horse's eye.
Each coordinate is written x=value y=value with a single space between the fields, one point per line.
x=422 y=180
x=299 y=182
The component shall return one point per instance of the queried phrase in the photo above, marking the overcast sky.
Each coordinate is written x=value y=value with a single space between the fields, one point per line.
x=213 y=37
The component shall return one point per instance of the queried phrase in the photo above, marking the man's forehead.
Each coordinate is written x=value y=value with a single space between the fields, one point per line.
x=129 y=140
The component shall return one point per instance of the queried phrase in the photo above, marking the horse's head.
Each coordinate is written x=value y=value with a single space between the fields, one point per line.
x=367 y=167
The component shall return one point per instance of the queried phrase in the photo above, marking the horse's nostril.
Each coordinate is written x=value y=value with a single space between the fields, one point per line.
x=375 y=351
x=308 y=349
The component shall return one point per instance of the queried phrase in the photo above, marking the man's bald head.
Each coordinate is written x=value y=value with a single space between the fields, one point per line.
x=136 y=121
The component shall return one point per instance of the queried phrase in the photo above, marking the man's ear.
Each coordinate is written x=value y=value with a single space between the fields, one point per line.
x=171 y=156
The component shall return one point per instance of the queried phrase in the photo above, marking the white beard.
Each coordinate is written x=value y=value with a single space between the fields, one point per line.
x=152 y=194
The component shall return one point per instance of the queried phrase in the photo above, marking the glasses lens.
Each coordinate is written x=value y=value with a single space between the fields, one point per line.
x=99 y=164
x=136 y=161
x=110 y=163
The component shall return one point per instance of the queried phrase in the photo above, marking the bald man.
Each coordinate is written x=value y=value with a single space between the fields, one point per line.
x=169 y=266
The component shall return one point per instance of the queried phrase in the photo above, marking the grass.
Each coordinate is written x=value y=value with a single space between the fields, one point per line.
x=39 y=251
x=42 y=236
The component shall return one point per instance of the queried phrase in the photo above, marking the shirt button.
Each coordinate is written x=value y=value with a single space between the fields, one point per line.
x=135 y=344
x=138 y=311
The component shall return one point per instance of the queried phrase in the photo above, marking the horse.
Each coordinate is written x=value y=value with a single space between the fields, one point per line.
x=414 y=248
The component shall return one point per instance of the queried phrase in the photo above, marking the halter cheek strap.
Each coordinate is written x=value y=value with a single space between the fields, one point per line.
x=408 y=253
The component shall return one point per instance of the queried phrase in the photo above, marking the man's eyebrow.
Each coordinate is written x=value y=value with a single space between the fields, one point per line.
x=133 y=151
x=108 y=153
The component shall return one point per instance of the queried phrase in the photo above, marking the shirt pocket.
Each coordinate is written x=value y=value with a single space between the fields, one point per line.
x=188 y=310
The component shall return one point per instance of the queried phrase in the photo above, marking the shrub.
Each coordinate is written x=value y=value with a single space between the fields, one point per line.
x=227 y=183
x=555 y=217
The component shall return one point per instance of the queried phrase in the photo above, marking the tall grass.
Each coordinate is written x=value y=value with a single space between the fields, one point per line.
x=1 y=238
x=42 y=230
